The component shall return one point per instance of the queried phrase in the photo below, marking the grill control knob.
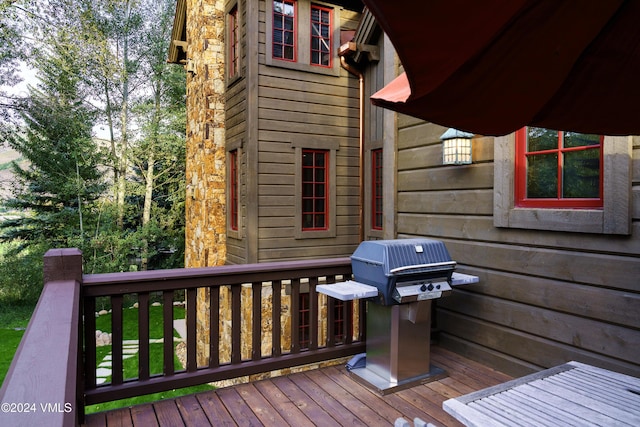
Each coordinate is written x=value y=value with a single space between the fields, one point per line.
x=430 y=287
x=423 y=288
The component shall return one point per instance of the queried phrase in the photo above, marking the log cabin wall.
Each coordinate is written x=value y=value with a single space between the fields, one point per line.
x=273 y=111
x=544 y=297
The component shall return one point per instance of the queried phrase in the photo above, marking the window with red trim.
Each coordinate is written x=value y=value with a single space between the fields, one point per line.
x=233 y=170
x=315 y=189
x=556 y=169
x=320 y=36
x=376 y=190
x=340 y=320
x=284 y=30
x=304 y=329
x=234 y=44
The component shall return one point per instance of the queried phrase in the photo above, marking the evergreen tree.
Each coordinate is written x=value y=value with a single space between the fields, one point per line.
x=62 y=178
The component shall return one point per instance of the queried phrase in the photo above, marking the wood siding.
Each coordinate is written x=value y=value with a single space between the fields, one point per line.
x=544 y=297
x=288 y=108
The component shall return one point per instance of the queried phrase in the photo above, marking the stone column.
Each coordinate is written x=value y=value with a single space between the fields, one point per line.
x=205 y=231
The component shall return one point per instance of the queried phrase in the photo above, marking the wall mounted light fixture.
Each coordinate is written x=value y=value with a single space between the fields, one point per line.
x=456 y=147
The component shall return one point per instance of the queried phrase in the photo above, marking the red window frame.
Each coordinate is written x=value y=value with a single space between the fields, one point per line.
x=376 y=189
x=234 y=44
x=233 y=170
x=522 y=153
x=321 y=37
x=304 y=328
x=315 y=190
x=339 y=320
x=284 y=38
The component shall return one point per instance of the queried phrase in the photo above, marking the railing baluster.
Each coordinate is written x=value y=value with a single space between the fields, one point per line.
x=90 y=363
x=256 y=327
x=331 y=320
x=192 y=341
x=167 y=334
x=313 y=314
x=214 y=326
x=276 y=324
x=295 y=316
x=143 y=336
x=116 y=340
x=347 y=325
x=236 y=326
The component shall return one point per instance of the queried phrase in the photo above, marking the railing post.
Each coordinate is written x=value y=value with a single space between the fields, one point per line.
x=63 y=264
x=66 y=264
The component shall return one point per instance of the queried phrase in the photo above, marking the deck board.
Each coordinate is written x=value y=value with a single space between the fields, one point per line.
x=323 y=397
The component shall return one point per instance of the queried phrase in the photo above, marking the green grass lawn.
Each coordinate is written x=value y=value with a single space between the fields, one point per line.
x=15 y=318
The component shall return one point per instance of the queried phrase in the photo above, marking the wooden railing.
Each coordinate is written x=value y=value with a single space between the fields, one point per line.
x=244 y=318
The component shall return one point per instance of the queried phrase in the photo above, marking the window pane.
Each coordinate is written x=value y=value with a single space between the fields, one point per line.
x=319 y=190
x=539 y=139
x=319 y=175
x=307 y=205
x=575 y=139
x=542 y=176
x=319 y=205
x=581 y=174
x=320 y=221
x=307 y=221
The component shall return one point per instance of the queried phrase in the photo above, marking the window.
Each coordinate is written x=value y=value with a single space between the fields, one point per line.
x=320 y=36
x=284 y=30
x=315 y=186
x=556 y=169
x=315 y=189
x=376 y=190
x=234 y=43
x=303 y=36
x=343 y=313
x=234 y=189
x=304 y=329
x=614 y=217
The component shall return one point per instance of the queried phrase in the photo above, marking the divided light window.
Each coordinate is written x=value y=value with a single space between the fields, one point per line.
x=234 y=44
x=315 y=189
x=320 y=36
x=233 y=170
x=284 y=30
x=556 y=169
x=304 y=329
x=376 y=190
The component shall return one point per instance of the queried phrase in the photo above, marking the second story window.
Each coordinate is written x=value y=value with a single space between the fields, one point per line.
x=234 y=43
x=320 y=36
x=376 y=190
x=284 y=30
x=556 y=169
x=315 y=189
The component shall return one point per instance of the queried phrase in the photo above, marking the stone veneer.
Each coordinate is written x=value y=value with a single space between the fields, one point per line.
x=205 y=231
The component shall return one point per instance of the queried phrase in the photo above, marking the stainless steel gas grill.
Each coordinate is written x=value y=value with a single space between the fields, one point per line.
x=399 y=278
x=404 y=270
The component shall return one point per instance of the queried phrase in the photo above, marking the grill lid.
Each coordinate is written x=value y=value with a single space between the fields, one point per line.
x=405 y=256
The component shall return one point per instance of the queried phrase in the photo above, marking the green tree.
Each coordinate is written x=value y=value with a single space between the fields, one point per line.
x=61 y=179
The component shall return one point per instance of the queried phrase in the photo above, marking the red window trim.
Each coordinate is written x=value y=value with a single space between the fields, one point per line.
x=521 y=179
x=234 y=62
x=304 y=328
x=340 y=320
x=313 y=197
x=234 y=189
x=280 y=16
x=328 y=40
x=376 y=188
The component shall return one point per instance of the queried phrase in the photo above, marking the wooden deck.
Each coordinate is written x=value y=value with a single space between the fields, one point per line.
x=323 y=397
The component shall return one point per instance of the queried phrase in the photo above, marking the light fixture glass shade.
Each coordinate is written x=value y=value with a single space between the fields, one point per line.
x=456 y=147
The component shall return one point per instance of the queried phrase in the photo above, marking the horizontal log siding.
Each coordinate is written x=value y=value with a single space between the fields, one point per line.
x=544 y=298
x=236 y=130
x=293 y=106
